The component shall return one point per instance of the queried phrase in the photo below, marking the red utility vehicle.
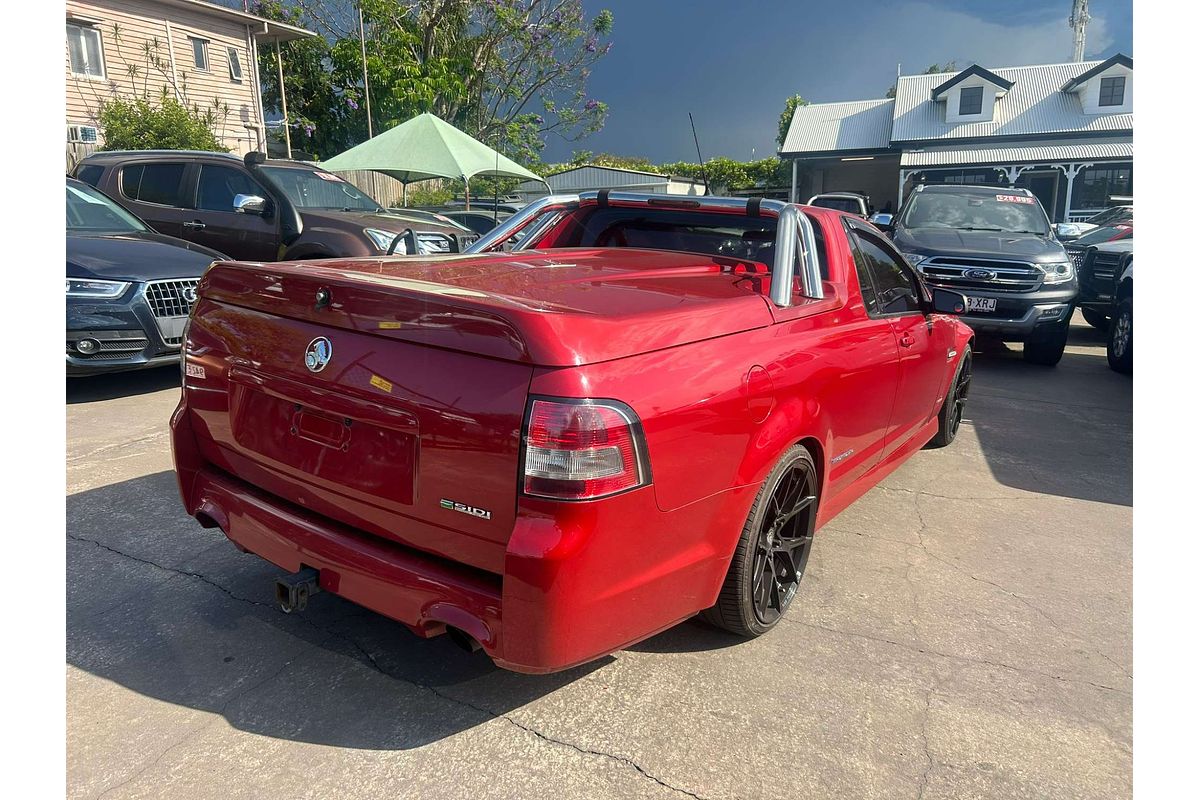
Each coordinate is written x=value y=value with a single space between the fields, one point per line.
x=641 y=412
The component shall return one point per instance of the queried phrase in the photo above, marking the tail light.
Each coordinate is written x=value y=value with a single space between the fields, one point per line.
x=582 y=449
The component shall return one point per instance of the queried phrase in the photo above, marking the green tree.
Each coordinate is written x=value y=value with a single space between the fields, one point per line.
x=785 y=118
x=509 y=72
x=932 y=69
x=139 y=124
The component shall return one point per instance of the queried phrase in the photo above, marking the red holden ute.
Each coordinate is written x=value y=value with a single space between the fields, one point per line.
x=639 y=413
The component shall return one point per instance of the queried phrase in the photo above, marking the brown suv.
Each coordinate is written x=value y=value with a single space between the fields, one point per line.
x=255 y=209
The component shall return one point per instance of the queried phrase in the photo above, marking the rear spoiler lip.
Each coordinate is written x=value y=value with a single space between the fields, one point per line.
x=468 y=320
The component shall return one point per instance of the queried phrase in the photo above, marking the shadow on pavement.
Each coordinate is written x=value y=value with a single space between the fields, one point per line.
x=172 y=611
x=1065 y=430
x=91 y=388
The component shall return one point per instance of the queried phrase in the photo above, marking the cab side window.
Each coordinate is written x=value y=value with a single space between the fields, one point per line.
x=219 y=184
x=153 y=183
x=896 y=289
x=865 y=283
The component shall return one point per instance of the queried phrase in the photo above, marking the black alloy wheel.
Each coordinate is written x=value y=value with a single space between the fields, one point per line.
x=951 y=416
x=784 y=540
x=1120 y=339
x=771 y=555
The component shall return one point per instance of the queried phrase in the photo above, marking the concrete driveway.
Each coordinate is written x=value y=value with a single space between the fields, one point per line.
x=964 y=630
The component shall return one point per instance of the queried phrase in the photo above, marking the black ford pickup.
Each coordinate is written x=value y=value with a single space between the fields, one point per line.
x=996 y=246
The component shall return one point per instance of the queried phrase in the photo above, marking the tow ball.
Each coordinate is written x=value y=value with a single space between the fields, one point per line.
x=292 y=591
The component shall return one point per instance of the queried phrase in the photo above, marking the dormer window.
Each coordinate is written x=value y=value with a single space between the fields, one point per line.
x=971 y=95
x=1106 y=88
x=970 y=101
x=1112 y=91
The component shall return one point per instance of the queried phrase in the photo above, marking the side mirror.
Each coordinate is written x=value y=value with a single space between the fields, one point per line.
x=250 y=204
x=947 y=302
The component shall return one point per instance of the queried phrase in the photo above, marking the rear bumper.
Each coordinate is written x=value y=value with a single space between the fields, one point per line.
x=580 y=579
x=421 y=591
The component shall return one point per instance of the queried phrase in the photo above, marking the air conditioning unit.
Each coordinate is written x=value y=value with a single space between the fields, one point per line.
x=82 y=133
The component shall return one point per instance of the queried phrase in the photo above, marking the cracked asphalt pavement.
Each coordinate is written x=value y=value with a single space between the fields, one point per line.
x=964 y=630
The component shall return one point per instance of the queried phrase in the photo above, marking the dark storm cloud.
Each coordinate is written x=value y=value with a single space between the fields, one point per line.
x=733 y=64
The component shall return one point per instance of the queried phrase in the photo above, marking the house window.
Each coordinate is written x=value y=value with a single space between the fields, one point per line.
x=87 y=53
x=1095 y=185
x=970 y=101
x=1112 y=91
x=200 y=53
x=980 y=176
x=235 y=65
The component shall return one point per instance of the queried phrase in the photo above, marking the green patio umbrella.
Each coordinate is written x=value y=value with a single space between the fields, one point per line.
x=427 y=147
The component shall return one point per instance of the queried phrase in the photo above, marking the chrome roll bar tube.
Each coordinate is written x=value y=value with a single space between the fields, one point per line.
x=794 y=237
x=517 y=222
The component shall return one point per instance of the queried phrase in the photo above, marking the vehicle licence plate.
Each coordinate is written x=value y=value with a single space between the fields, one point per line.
x=986 y=305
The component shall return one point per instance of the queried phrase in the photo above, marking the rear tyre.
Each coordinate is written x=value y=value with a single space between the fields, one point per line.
x=1120 y=339
x=1095 y=319
x=951 y=415
x=1047 y=350
x=771 y=554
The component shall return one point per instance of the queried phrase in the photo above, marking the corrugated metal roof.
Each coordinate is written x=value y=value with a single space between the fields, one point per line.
x=1039 y=154
x=821 y=127
x=590 y=176
x=1035 y=104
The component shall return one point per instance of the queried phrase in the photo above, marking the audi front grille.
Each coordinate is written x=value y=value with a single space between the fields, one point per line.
x=171 y=301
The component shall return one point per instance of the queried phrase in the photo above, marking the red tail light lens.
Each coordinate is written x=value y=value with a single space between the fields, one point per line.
x=582 y=449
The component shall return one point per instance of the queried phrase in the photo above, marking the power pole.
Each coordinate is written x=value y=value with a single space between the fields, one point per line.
x=362 y=40
x=287 y=134
x=1078 y=23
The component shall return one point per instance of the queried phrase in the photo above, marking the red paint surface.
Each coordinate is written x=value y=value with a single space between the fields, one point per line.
x=423 y=400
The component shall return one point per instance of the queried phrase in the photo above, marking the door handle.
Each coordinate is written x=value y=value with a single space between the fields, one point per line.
x=907 y=340
x=195 y=225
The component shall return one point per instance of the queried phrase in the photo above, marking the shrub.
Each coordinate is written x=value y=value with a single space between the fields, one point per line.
x=139 y=124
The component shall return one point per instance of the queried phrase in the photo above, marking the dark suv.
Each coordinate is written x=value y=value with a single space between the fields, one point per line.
x=994 y=245
x=256 y=209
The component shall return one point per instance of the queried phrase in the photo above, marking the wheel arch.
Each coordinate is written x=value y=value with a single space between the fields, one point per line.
x=817 y=451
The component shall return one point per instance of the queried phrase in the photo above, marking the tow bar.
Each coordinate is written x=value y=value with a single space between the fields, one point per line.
x=292 y=591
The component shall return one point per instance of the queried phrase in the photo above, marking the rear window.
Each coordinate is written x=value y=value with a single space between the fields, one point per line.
x=838 y=204
x=729 y=235
x=153 y=183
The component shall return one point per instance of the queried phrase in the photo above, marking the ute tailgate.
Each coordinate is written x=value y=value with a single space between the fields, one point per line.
x=415 y=443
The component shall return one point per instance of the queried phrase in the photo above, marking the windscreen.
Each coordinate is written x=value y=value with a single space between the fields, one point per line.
x=838 y=204
x=1105 y=234
x=311 y=188
x=1112 y=216
x=90 y=211
x=1010 y=213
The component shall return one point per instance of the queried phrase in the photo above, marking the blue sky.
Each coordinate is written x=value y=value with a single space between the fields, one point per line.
x=732 y=64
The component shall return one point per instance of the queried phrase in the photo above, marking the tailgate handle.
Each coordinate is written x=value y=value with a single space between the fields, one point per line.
x=321 y=430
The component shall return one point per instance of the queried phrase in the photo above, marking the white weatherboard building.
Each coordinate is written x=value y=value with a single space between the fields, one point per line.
x=1064 y=131
x=589 y=177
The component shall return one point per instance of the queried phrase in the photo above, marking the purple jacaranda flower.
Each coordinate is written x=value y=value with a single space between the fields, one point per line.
x=537 y=119
x=591 y=105
x=350 y=102
x=591 y=45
